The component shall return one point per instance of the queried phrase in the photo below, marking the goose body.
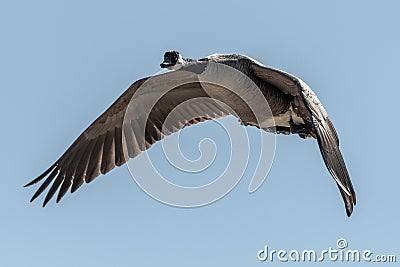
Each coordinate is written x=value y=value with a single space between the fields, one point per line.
x=104 y=144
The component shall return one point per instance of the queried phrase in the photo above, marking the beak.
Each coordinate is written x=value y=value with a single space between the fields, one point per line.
x=166 y=64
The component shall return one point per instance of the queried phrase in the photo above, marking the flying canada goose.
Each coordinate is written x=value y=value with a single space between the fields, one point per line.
x=105 y=144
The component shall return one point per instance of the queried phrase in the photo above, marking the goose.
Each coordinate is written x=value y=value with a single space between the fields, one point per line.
x=294 y=106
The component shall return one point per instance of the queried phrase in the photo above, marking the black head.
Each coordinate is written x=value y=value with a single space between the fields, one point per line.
x=170 y=59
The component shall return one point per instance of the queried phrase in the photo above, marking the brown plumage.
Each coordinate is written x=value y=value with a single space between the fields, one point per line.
x=113 y=138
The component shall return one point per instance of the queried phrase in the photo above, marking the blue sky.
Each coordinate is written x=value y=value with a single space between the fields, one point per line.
x=64 y=62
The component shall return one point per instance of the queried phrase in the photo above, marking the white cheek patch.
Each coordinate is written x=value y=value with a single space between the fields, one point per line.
x=179 y=64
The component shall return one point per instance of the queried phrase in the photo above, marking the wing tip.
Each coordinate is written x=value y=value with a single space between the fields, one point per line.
x=350 y=202
x=29 y=184
x=46 y=200
x=40 y=177
x=349 y=212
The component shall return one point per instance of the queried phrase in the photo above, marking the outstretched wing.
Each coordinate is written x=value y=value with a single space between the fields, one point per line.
x=115 y=137
x=310 y=109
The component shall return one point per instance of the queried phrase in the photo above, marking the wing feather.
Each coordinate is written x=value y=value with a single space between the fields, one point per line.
x=310 y=109
x=81 y=170
x=118 y=147
x=95 y=160
x=45 y=184
x=56 y=184
x=102 y=145
x=108 y=157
